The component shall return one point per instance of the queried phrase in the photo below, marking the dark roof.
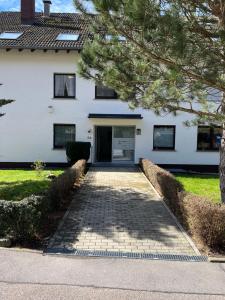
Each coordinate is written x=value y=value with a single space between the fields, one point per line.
x=43 y=32
x=115 y=116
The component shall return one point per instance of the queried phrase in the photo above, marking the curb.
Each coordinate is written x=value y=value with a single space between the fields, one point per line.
x=216 y=259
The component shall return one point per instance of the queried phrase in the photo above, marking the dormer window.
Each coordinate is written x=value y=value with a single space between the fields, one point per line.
x=10 y=35
x=68 y=37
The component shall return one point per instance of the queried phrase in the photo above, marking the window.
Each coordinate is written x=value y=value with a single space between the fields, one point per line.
x=10 y=35
x=109 y=37
x=68 y=37
x=103 y=92
x=209 y=138
x=164 y=137
x=63 y=134
x=124 y=132
x=64 y=85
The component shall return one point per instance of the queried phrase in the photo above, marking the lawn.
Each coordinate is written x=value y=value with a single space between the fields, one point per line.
x=18 y=184
x=203 y=185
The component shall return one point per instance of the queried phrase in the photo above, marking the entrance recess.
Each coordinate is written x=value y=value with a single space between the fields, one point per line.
x=115 y=144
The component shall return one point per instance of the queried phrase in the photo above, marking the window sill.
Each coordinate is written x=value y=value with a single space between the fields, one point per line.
x=106 y=99
x=211 y=151
x=163 y=150
x=64 y=99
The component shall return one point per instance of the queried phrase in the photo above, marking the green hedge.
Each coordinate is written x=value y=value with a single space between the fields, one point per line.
x=204 y=219
x=62 y=185
x=78 y=151
x=23 y=219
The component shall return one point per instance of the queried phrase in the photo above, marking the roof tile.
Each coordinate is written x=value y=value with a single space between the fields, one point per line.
x=43 y=32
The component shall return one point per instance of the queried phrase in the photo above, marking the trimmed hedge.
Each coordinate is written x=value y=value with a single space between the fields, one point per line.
x=204 y=220
x=62 y=185
x=77 y=151
x=165 y=184
x=22 y=219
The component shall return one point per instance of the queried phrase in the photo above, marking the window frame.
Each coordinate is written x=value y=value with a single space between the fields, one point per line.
x=211 y=132
x=174 y=138
x=65 y=74
x=55 y=147
x=19 y=34
x=115 y=97
x=67 y=40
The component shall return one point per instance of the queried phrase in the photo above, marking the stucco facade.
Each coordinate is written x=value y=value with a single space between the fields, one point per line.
x=26 y=131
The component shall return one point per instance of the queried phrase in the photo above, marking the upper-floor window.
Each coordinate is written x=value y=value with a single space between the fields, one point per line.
x=63 y=133
x=209 y=138
x=64 y=85
x=103 y=92
x=68 y=37
x=164 y=137
x=10 y=35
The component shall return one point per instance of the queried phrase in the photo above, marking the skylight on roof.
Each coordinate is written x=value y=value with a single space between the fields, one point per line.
x=67 y=37
x=109 y=37
x=10 y=35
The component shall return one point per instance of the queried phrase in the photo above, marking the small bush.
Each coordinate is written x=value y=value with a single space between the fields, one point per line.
x=38 y=166
x=22 y=219
x=78 y=151
x=204 y=220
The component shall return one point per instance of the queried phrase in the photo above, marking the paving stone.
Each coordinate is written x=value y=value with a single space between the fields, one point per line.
x=116 y=209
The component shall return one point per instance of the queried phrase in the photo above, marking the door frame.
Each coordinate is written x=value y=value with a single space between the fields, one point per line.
x=95 y=143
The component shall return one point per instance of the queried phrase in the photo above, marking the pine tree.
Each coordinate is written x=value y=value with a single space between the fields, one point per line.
x=167 y=56
x=4 y=102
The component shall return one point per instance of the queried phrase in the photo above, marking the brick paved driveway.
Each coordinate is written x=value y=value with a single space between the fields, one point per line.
x=117 y=210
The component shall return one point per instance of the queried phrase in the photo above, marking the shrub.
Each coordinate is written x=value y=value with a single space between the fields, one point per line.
x=165 y=184
x=77 y=151
x=204 y=219
x=62 y=185
x=23 y=219
x=38 y=166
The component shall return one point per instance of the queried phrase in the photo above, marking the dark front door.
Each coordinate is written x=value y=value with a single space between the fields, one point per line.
x=104 y=144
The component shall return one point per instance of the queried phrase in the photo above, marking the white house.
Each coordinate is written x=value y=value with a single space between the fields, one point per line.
x=53 y=105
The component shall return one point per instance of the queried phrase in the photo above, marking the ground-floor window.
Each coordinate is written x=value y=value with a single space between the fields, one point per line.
x=63 y=133
x=209 y=138
x=164 y=137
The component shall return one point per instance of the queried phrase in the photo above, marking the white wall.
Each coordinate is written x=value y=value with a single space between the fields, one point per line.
x=26 y=132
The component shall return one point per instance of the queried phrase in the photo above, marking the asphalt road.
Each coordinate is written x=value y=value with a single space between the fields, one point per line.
x=28 y=275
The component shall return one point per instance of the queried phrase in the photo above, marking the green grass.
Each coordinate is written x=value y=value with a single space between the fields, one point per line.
x=203 y=185
x=18 y=184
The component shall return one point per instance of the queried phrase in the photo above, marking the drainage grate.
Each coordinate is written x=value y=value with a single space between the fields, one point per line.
x=127 y=255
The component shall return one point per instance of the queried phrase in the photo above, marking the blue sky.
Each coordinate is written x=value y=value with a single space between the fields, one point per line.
x=57 y=5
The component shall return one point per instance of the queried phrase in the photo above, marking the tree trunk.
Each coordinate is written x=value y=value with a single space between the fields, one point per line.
x=222 y=157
